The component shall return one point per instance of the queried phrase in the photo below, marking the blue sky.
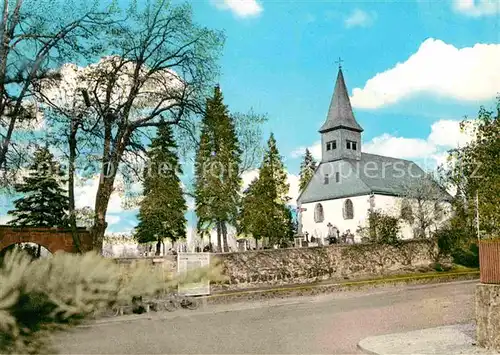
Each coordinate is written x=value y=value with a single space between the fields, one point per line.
x=280 y=59
x=413 y=70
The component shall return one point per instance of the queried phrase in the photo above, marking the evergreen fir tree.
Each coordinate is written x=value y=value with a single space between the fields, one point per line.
x=162 y=211
x=44 y=202
x=264 y=212
x=307 y=169
x=217 y=173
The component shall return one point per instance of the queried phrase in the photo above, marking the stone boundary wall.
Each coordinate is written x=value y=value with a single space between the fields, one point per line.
x=254 y=269
x=274 y=267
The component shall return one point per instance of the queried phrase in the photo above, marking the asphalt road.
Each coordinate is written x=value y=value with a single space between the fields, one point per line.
x=320 y=325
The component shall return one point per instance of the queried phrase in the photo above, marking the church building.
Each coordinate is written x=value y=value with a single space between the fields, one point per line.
x=348 y=183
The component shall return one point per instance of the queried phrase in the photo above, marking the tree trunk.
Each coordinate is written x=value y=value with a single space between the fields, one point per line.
x=224 y=236
x=101 y=206
x=71 y=185
x=38 y=251
x=158 y=247
x=110 y=163
x=256 y=243
x=219 y=242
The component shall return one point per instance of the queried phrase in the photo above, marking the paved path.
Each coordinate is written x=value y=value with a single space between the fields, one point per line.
x=324 y=324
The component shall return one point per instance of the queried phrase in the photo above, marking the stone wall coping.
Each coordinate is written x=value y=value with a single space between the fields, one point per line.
x=332 y=246
x=41 y=229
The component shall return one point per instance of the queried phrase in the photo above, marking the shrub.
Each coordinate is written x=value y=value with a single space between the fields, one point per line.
x=382 y=228
x=42 y=296
x=460 y=244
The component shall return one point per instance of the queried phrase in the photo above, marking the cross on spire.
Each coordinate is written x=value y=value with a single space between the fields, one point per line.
x=339 y=62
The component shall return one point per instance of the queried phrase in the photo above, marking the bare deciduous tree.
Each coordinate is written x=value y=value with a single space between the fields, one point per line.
x=35 y=36
x=158 y=67
x=425 y=204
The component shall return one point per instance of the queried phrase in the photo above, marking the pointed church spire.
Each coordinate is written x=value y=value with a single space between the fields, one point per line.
x=340 y=113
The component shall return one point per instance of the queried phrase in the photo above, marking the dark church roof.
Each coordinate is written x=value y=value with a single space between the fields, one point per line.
x=371 y=174
x=340 y=113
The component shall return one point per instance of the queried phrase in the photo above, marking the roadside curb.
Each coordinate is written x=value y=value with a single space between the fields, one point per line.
x=447 y=339
x=312 y=289
x=365 y=350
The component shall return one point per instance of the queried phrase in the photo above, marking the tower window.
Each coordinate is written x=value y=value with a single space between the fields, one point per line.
x=337 y=177
x=331 y=145
x=327 y=180
x=351 y=145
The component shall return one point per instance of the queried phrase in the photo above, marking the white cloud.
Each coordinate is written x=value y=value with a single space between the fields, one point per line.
x=241 y=8
x=315 y=150
x=399 y=147
x=248 y=176
x=112 y=219
x=359 y=18
x=86 y=191
x=469 y=74
x=477 y=8
x=190 y=202
x=447 y=133
x=5 y=219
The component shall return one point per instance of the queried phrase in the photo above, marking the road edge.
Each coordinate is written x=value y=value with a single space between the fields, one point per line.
x=312 y=289
x=291 y=292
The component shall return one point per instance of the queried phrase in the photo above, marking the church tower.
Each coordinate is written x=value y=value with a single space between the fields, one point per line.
x=340 y=134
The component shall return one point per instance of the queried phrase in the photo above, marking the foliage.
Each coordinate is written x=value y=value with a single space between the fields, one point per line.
x=161 y=213
x=155 y=69
x=217 y=174
x=84 y=217
x=382 y=228
x=264 y=212
x=38 y=298
x=249 y=132
x=307 y=169
x=44 y=201
x=37 y=35
x=473 y=170
x=459 y=242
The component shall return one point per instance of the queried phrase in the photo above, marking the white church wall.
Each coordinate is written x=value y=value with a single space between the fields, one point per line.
x=333 y=213
x=392 y=206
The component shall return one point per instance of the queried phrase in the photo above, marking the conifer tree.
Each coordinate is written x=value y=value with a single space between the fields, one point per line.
x=307 y=168
x=44 y=202
x=217 y=176
x=264 y=212
x=162 y=211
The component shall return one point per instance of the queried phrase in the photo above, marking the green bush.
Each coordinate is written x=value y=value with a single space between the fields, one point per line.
x=40 y=297
x=460 y=244
x=382 y=229
x=467 y=257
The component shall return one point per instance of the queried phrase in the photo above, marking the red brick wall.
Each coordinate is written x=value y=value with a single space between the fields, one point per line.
x=54 y=239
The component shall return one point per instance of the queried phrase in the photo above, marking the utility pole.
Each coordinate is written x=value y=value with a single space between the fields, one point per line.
x=477 y=214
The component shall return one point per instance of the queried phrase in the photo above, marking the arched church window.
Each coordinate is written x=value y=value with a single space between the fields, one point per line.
x=318 y=213
x=348 y=209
